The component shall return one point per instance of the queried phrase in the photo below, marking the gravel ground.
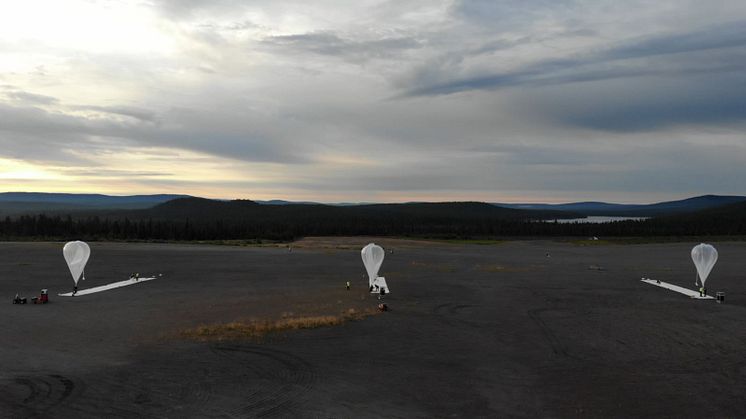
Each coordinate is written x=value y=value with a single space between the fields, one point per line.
x=474 y=331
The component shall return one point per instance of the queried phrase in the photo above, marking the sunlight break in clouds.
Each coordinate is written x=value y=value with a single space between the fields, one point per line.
x=374 y=100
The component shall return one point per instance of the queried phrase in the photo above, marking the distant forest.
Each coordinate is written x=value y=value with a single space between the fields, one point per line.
x=200 y=219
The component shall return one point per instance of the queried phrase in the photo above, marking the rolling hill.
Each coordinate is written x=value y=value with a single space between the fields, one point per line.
x=205 y=219
x=636 y=210
x=14 y=203
x=200 y=208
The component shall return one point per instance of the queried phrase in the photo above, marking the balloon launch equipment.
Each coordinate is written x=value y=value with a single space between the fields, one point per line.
x=720 y=297
x=43 y=298
x=379 y=286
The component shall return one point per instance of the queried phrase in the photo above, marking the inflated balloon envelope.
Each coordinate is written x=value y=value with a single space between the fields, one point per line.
x=372 y=255
x=704 y=257
x=76 y=255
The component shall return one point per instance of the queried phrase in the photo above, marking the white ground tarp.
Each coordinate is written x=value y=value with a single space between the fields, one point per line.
x=380 y=284
x=107 y=287
x=681 y=290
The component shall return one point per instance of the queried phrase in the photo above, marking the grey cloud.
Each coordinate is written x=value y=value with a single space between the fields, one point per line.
x=652 y=103
x=574 y=69
x=101 y=172
x=725 y=35
x=613 y=113
x=507 y=12
x=189 y=8
x=690 y=78
x=645 y=168
x=34 y=121
x=31 y=98
x=233 y=26
x=328 y=43
x=132 y=112
x=486 y=43
x=38 y=135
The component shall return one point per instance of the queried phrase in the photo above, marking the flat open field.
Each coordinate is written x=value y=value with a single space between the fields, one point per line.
x=474 y=331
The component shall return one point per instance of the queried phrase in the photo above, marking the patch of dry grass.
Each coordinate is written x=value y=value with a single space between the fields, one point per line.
x=257 y=329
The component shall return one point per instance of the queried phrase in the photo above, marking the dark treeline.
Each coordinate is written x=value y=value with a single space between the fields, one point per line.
x=247 y=220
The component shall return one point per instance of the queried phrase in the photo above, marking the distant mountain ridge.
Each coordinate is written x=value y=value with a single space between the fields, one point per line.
x=86 y=199
x=15 y=203
x=336 y=204
x=196 y=207
x=636 y=210
x=12 y=203
x=207 y=219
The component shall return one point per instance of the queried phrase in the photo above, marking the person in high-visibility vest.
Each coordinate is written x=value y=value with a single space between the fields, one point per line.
x=701 y=291
x=348 y=285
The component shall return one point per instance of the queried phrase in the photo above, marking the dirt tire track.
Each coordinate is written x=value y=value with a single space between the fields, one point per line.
x=31 y=395
x=558 y=348
x=452 y=314
x=285 y=378
x=187 y=391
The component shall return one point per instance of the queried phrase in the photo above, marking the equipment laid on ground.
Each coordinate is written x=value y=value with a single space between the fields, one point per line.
x=379 y=286
x=681 y=290
x=43 y=298
x=131 y=281
x=383 y=307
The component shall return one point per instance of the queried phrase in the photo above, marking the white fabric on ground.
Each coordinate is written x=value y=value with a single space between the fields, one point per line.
x=682 y=290
x=107 y=287
x=380 y=284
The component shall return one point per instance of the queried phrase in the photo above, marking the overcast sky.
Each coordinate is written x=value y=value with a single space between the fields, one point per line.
x=375 y=100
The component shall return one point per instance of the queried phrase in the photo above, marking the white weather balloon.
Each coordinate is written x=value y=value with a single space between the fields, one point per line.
x=372 y=259
x=76 y=255
x=704 y=257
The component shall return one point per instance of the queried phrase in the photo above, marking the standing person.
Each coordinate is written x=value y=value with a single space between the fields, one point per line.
x=348 y=285
x=702 y=291
x=75 y=289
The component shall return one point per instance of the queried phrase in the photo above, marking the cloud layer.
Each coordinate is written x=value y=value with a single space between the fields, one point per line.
x=375 y=100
